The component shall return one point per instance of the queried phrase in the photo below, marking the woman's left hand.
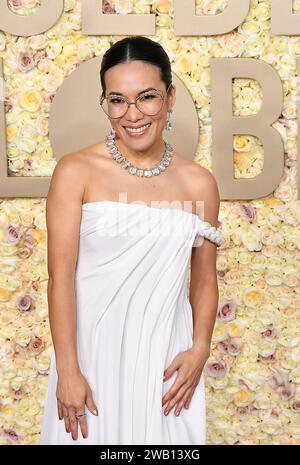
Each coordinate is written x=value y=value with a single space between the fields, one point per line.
x=190 y=364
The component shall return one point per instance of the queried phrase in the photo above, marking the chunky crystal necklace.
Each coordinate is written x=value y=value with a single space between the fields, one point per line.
x=146 y=172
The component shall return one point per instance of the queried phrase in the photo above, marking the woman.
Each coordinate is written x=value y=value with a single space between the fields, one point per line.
x=130 y=345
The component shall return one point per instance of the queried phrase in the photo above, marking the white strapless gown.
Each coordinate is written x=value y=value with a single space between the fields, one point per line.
x=133 y=318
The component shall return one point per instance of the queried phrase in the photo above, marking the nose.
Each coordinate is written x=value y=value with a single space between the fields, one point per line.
x=133 y=113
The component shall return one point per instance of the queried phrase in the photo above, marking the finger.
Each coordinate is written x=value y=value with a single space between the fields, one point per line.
x=189 y=398
x=182 y=402
x=60 y=409
x=172 y=367
x=175 y=399
x=179 y=381
x=90 y=403
x=178 y=408
x=83 y=426
x=74 y=422
x=66 y=419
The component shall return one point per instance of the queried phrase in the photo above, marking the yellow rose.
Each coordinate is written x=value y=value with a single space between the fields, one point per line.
x=220 y=332
x=53 y=48
x=235 y=328
x=161 y=6
x=4 y=295
x=253 y=297
x=243 y=398
x=12 y=132
x=23 y=336
x=218 y=383
x=9 y=412
x=30 y=100
x=26 y=218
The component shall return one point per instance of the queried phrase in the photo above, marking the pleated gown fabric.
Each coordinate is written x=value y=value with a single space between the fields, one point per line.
x=133 y=318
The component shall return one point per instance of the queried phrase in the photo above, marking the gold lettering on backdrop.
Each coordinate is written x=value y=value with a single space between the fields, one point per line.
x=46 y=16
x=187 y=23
x=94 y=21
x=225 y=125
x=12 y=186
x=283 y=20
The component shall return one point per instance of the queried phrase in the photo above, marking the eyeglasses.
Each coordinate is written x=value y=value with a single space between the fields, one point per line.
x=149 y=103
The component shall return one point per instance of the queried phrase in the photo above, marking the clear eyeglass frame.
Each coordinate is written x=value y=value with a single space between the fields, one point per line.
x=102 y=98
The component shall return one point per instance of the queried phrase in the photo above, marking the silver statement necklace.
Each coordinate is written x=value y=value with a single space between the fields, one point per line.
x=132 y=169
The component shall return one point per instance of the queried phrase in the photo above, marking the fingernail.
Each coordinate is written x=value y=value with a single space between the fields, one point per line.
x=95 y=412
x=166 y=412
x=164 y=377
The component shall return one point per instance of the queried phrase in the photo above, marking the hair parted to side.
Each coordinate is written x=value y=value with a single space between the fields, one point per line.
x=137 y=48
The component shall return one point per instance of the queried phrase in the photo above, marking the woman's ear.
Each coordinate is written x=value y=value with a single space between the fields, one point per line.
x=171 y=97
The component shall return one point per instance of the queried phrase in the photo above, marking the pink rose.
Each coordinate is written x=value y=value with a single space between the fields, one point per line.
x=242 y=412
x=226 y=310
x=216 y=368
x=18 y=394
x=49 y=97
x=25 y=62
x=29 y=241
x=108 y=8
x=287 y=391
x=296 y=405
x=247 y=212
x=24 y=303
x=223 y=347
x=221 y=273
x=269 y=333
x=288 y=162
x=12 y=234
x=280 y=381
x=243 y=384
x=235 y=345
x=15 y=3
x=10 y=434
x=7 y=104
x=36 y=345
x=231 y=346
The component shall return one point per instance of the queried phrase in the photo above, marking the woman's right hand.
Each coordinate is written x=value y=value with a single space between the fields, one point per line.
x=72 y=393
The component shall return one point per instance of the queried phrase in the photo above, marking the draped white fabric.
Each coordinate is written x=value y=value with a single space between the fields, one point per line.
x=133 y=318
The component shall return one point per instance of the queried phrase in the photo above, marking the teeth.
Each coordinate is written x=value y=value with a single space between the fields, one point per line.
x=138 y=129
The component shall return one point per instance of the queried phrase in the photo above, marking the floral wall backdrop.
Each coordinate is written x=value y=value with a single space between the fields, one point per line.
x=253 y=374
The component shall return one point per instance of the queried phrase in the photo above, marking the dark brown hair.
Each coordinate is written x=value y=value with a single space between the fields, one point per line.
x=137 y=48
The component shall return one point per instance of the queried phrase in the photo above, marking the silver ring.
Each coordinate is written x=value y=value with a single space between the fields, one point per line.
x=77 y=415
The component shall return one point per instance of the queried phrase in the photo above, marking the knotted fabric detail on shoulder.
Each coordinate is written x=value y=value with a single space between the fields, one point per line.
x=210 y=232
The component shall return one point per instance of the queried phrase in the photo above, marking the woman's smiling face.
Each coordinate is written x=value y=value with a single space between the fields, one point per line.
x=130 y=79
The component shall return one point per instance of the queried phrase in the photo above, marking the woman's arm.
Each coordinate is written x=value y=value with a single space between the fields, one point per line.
x=63 y=214
x=203 y=293
x=63 y=217
x=203 y=296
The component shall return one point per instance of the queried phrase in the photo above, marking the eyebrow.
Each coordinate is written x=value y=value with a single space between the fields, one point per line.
x=145 y=90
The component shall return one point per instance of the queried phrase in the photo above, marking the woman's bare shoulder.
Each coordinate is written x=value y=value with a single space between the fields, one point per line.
x=88 y=153
x=79 y=162
x=96 y=152
x=193 y=170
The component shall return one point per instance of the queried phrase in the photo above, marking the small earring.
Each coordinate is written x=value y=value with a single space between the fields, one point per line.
x=112 y=134
x=169 y=123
